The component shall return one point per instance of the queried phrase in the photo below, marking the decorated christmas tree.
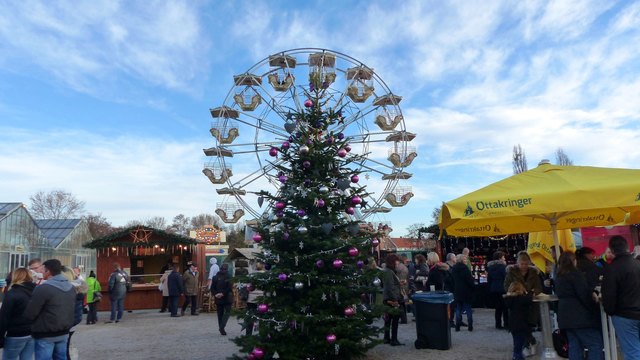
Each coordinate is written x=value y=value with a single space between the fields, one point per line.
x=317 y=283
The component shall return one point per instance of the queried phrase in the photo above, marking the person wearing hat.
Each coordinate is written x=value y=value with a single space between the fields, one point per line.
x=190 y=282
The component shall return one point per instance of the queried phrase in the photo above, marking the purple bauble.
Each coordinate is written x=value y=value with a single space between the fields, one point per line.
x=273 y=151
x=257 y=237
x=285 y=145
x=282 y=178
x=331 y=338
x=349 y=312
x=319 y=264
x=375 y=242
x=356 y=200
x=267 y=266
x=355 y=179
x=307 y=182
x=290 y=138
x=282 y=277
x=348 y=148
x=250 y=287
x=285 y=236
x=350 y=210
x=337 y=263
x=342 y=153
x=280 y=205
x=353 y=252
x=279 y=214
x=360 y=264
x=320 y=203
x=308 y=103
x=263 y=308
x=306 y=164
x=330 y=140
x=340 y=136
x=301 y=212
x=258 y=353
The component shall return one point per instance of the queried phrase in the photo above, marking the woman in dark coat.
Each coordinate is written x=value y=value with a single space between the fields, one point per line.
x=519 y=304
x=422 y=271
x=578 y=313
x=438 y=273
x=462 y=291
x=18 y=343
x=496 y=273
x=585 y=257
x=391 y=298
x=222 y=291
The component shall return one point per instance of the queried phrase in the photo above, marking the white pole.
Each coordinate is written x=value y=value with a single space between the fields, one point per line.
x=556 y=241
x=605 y=334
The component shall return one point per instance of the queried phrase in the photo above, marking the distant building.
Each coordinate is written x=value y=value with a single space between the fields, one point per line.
x=23 y=238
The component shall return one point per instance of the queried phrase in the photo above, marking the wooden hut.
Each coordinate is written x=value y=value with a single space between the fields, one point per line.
x=142 y=252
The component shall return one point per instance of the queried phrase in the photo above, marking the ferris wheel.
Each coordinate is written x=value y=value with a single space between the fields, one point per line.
x=257 y=115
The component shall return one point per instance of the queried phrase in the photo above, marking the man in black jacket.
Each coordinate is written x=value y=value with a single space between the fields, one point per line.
x=174 y=282
x=52 y=309
x=621 y=296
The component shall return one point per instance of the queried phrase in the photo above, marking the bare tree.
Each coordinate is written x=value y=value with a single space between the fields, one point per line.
x=199 y=221
x=180 y=225
x=99 y=226
x=414 y=230
x=519 y=160
x=156 y=222
x=435 y=215
x=56 y=204
x=562 y=158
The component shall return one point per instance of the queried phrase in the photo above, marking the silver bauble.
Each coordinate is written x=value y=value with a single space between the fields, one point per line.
x=304 y=149
x=376 y=282
x=302 y=229
x=323 y=189
x=298 y=285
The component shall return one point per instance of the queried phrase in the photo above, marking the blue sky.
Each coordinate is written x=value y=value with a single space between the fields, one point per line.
x=109 y=99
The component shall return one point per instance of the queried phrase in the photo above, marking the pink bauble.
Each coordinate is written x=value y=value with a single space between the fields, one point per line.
x=337 y=263
x=342 y=153
x=258 y=353
x=282 y=277
x=273 y=151
x=353 y=252
x=285 y=145
x=356 y=200
x=331 y=338
x=355 y=179
x=263 y=308
x=257 y=237
x=320 y=203
x=280 y=205
x=348 y=148
x=350 y=210
x=308 y=103
x=349 y=311
x=375 y=242
x=282 y=178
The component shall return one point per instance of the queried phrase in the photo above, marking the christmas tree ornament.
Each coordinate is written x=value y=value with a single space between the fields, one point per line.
x=279 y=214
x=282 y=277
x=258 y=353
x=306 y=164
x=308 y=103
x=347 y=148
x=260 y=201
x=263 y=308
x=302 y=229
x=307 y=182
x=340 y=136
x=355 y=179
x=326 y=228
x=301 y=212
x=349 y=311
x=282 y=178
x=323 y=189
x=375 y=242
x=342 y=153
x=251 y=356
x=353 y=252
x=319 y=264
x=356 y=200
x=301 y=246
x=285 y=145
x=319 y=203
x=267 y=266
x=342 y=184
x=285 y=236
x=337 y=264
x=298 y=285
x=331 y=338
x=250 y=287
x=329 y=140
x=324 y=297
x=290 y=127
x=360 y=264
x=350 y=210
x=377 y=282
x=257 y=237
x=280 y=205
x=304 y=150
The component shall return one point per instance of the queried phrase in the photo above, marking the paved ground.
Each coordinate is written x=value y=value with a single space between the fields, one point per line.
x=151 y=335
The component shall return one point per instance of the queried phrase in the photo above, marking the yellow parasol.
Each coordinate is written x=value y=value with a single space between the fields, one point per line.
x=540 y=243
x=546 y=198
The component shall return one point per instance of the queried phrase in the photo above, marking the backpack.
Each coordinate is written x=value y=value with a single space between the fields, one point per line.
x=560 y=343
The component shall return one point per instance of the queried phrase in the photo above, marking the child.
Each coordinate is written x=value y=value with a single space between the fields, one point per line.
x=519 y=304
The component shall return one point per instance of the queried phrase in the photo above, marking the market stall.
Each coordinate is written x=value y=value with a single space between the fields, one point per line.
x=142 y=252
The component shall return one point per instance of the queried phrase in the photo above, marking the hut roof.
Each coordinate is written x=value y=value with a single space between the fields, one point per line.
x=242 y=253
x=140 y=236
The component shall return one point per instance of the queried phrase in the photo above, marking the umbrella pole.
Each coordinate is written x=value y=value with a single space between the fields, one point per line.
x=556 y=241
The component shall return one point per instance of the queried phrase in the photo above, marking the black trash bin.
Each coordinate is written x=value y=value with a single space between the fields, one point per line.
x=432 y=319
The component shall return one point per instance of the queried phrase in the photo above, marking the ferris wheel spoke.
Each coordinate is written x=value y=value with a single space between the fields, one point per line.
x=261 y=172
